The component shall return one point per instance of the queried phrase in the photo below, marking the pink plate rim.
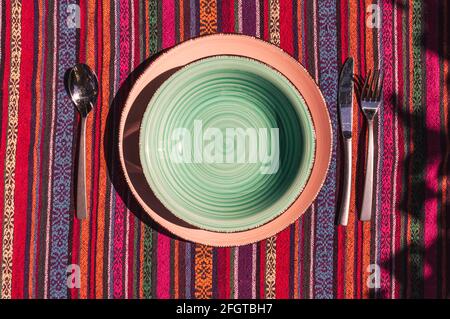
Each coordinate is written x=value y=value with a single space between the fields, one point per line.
x=254 y=48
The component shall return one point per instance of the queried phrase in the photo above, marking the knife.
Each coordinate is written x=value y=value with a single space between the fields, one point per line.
x=345 y=104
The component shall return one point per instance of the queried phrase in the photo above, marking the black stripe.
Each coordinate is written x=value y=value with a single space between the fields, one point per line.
x=31 y=149
x=294 y=28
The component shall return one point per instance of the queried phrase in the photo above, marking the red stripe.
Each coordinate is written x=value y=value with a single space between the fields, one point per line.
x=228 y=16
x=262 y=267
x=168 y=23
x=75 y=252
x=82 y=30
x=131 y=253
x=344 y=31
x=305 y=32
x=223 y=271
x=163 y=267
x=301 y=257
x=362 y=35
x=340 y=252
x=340 y=265
x=137 y=59
x=287 y=38
x=22 y=150
x=266 y=21
x=282 y=264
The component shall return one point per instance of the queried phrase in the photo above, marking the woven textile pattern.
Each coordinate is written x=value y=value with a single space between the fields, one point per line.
x=120 y=253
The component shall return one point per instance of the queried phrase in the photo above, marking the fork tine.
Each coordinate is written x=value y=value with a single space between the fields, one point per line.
x=363 y=92
x=374 y=88
x=370 y=86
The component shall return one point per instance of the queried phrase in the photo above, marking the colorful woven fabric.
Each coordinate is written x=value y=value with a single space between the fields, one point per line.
x=121 y=253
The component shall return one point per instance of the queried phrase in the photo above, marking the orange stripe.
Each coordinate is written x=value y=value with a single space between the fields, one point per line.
x=203 y=254
x=31 y=274
x=350 y=229
x=181 y=11
x=106 y=54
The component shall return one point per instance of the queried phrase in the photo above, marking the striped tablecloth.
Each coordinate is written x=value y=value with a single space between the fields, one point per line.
x=119 y=253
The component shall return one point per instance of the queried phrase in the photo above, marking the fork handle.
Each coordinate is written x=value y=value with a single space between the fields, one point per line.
x=345 y=203
x=366 y=211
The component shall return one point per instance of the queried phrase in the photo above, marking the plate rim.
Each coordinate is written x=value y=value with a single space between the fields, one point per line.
x=221 y=239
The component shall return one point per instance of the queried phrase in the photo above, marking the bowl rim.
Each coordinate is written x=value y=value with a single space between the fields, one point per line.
x=298 y=184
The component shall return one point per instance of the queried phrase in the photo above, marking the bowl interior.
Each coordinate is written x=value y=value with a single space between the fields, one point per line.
x=227 y=143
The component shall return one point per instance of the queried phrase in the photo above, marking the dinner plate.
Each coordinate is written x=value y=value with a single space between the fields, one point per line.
x=227 y=143
x=181 y=57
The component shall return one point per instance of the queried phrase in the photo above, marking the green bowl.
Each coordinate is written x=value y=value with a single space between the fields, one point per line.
x=227 y=143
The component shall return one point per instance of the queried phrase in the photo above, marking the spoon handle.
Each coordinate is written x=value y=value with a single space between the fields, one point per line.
x=81 y=180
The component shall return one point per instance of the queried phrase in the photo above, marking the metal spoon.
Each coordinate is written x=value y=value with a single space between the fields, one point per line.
x=83 y=90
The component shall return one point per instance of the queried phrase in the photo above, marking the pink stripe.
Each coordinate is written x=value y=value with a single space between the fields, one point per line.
x=124 y=35
x=431 y=174
x=168 y=23
x=163 y=267
x=118 y=248
x=236 y=272
x=120 y=208
x=388 y=151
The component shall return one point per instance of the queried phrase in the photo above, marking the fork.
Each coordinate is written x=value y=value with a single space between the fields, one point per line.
x=371 y=95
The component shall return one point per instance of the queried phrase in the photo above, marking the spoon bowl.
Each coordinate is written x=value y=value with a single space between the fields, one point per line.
x=83 y=88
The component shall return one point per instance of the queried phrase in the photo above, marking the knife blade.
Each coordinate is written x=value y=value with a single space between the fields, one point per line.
x=345 y=104
x=346 y=98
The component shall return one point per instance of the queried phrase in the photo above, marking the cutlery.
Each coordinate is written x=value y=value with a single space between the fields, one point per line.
x=345 y=101
x=370 y=102
x=83 y=90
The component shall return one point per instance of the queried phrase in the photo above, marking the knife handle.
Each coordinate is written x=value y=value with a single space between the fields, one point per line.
x=346 y=189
